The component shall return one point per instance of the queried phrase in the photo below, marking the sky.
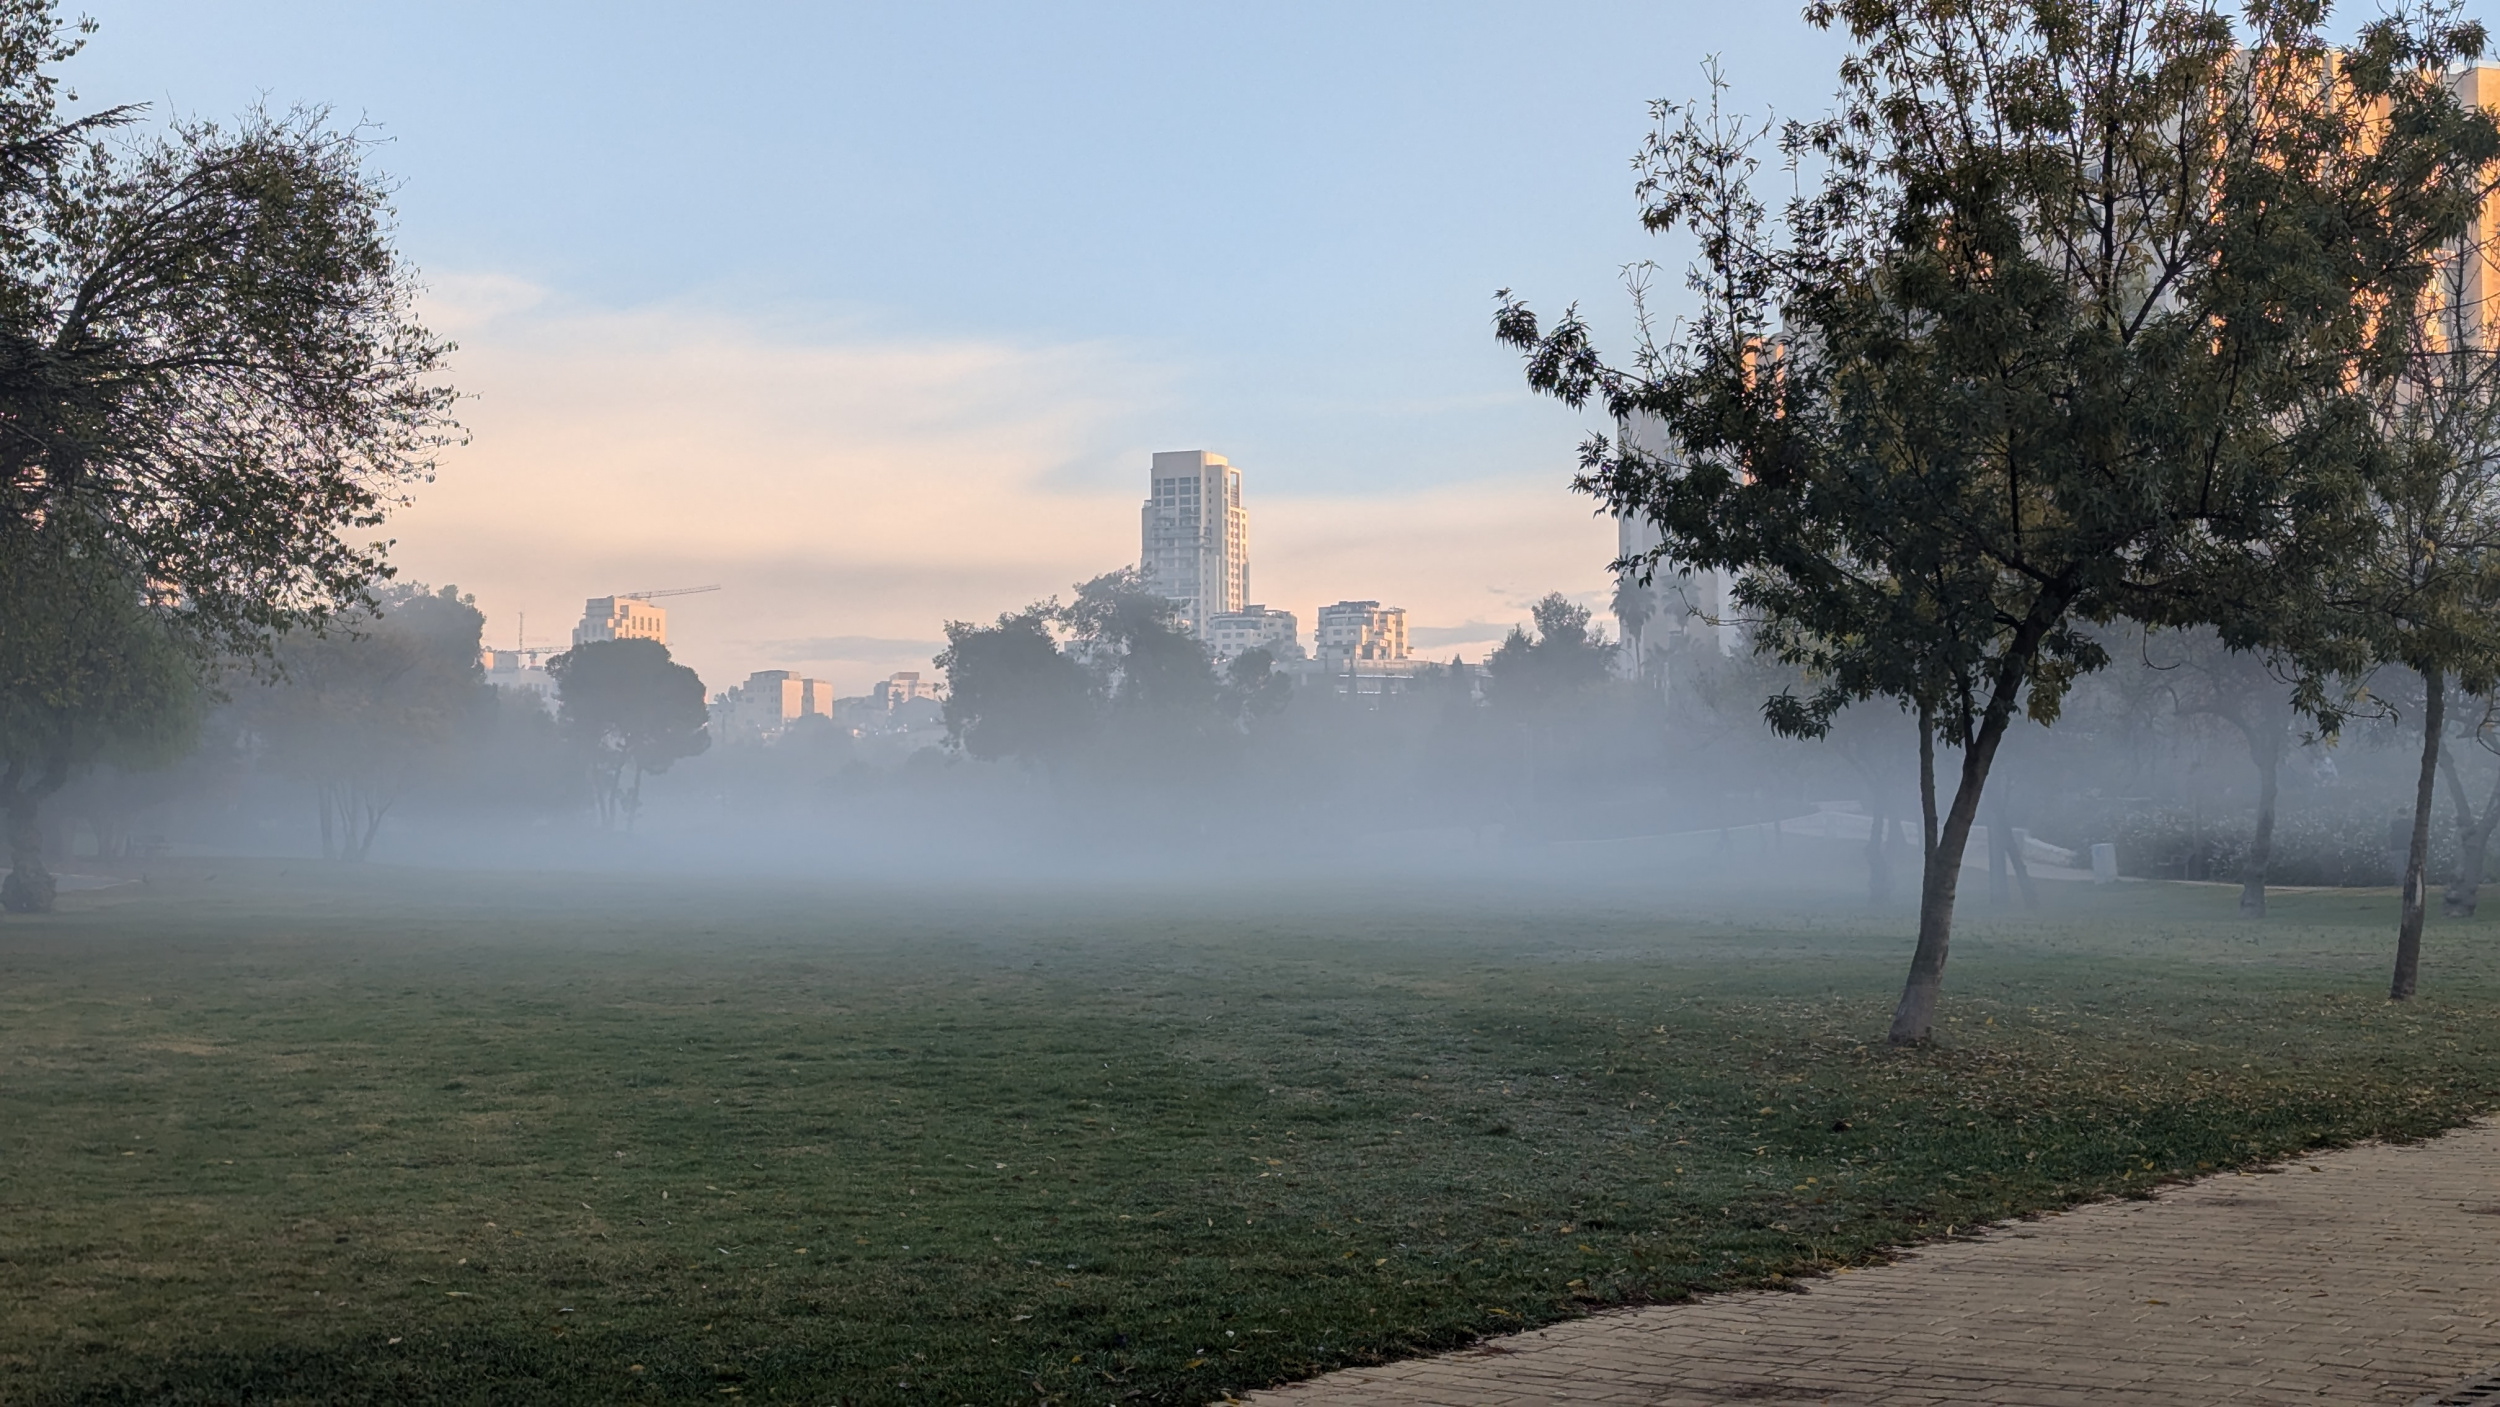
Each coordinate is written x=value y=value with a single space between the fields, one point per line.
x=873 y=314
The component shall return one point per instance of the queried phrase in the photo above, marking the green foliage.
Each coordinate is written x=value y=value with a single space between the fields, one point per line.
x=631 y=710
x=1113 y=673
x=88 y=672
x=2081 y=316
x=209 y=353
x=366 y=706
x=1010 y=691
x=373 y=1141
x=1565 y=657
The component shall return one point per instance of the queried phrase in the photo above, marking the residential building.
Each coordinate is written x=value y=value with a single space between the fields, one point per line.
x=620 y=618
x=520 y=672
x=769 y=702
x=1195 y=544
x=902 y=688
x=1365 y=631
x=1235 y=633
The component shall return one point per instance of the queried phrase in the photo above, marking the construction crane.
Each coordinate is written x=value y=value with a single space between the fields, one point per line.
x=669 y=591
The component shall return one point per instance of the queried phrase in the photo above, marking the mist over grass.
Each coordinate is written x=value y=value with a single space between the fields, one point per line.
x=302 y=1132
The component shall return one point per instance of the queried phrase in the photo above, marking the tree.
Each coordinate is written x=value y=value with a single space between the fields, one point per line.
x=363 y=709
x=88 y=673
x=2257 y=693
x=631 y=710
x=2429 y=600
x=1010 y=691
x=1115 y=663
x=2076 y=319
x=211 y=373
x=1563 y=657
x=2474 y=828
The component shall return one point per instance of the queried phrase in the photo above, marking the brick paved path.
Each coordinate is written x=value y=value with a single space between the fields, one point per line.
x=2366 y=1276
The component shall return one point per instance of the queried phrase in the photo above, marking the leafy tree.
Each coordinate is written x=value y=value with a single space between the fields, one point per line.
x=1253 y=687
x=1011 y=692
x=2474 y=828
x=2077 y=317
x=2429 y=599
x=211 y=373
x=363 y=709
x=88 y=673
x=1563 y=657
x=631 y=710
x=1114 y=664
x=2258 y=694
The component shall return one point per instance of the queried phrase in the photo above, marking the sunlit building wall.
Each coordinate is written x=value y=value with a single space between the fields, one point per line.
x=620 y=618
x=1196 y=535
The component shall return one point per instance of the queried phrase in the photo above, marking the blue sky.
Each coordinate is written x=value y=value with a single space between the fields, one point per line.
x=934 y=279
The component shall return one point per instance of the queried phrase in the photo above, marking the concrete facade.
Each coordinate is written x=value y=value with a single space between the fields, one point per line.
x=770 y=701
x=1195 y=535
x=1366 y=632
x=1235 y=633
x=620 y=618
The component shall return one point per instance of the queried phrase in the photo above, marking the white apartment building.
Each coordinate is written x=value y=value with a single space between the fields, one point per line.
x=1235 y=633
x=1364 y=631
x=1196 y=536
x=620 y=618
x=521 y=672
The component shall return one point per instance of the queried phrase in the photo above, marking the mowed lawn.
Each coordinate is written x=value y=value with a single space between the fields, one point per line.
x=303 y=1134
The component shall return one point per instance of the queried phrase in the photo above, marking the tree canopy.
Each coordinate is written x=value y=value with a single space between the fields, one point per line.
x=212 y=379
x=2077 y=316
x=358 y=710
x=631 y=710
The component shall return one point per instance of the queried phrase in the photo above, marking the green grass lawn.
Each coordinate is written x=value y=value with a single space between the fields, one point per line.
x=300 y=1134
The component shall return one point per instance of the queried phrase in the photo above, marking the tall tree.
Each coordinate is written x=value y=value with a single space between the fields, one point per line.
x=1011 y=692
x=2474 y=828
x=361 y=711
x=632 y=711
x=1564 y=656
x=2259 y=695
x=211 y=372
x=2429 y=600
x=88 y=673
x=2077 y=318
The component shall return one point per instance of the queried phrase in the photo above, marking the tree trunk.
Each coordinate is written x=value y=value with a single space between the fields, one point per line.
x=29 y=889
x=1879 y=859
x=2473 y=841
x=2261 y=845
x=2015 y=840
x=2417 y=855
x=1942 y=873
x=2000 y=886
x=1926 y=786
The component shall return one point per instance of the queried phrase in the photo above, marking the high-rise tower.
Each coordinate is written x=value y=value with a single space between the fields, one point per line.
x=1196 y=546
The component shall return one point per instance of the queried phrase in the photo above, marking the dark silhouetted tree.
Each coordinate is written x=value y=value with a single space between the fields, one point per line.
x=632 y=711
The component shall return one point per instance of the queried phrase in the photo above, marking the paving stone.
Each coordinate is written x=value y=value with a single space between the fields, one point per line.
x=2369 y=1275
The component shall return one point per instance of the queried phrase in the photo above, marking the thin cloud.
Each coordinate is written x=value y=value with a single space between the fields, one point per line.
x=1473 y=632
x=853 y=493
x=852 y=648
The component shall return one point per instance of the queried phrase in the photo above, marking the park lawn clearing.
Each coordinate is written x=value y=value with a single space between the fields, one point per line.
x=311 y=1134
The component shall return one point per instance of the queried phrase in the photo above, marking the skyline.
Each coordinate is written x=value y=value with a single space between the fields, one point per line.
x=874 y=316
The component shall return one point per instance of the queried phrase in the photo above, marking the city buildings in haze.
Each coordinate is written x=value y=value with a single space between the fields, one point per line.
x=621 y=618
x=1235 y=633
x=1364 y=631
x=1196 y=536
